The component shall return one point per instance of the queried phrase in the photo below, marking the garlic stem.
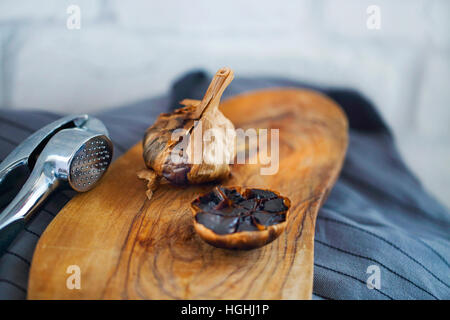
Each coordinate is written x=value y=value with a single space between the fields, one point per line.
x=219 y=83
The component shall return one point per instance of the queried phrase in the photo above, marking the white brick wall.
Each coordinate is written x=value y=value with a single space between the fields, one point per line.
x=438 y=16
x=130 y=50
x=26 y=11
x=433 y=116
x=228 y=18
x=69 y=70
x=403 y=20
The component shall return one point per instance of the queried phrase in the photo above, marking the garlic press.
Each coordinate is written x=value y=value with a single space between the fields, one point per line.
x=72 y=152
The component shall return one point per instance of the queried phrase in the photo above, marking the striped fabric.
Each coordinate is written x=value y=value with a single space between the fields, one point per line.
x=377 y=216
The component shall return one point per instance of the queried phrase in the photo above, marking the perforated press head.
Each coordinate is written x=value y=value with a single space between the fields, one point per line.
x=90 y=163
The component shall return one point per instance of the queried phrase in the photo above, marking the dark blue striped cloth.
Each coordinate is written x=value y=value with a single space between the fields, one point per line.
x=377 y=216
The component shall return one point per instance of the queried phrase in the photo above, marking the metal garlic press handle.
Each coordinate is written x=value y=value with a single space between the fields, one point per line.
x=34 y=192
x=74 y=151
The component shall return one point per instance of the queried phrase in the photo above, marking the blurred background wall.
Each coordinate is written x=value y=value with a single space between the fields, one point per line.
x=130 y=50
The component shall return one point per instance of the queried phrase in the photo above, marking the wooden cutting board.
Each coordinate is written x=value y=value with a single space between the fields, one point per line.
x=129 y=247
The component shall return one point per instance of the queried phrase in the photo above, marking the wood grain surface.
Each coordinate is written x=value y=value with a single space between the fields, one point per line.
x=129 y=247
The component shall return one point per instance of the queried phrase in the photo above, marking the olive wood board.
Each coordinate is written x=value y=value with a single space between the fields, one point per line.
x=129 y=247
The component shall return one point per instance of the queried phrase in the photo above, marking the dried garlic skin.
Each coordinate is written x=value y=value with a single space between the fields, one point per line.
x=158 y=145
x=216 y=152
x=152 y=181
x=165 y=138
